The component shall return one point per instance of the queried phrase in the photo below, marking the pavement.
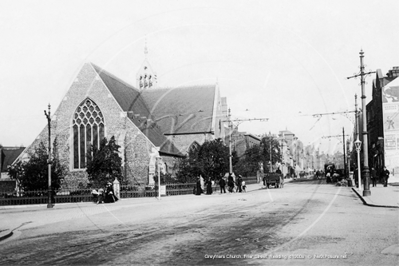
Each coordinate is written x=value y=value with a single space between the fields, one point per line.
x=387 y=197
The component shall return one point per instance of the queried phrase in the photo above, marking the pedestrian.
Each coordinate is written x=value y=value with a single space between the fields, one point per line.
x=222 y=185
x=230 y=183
x=198 y=189
x=373 y=176
x=328 y=177
x=244 y=187
x=98 y=195
x=239 y=183
x=110 y=194
x=385 y=175
x=209 y=187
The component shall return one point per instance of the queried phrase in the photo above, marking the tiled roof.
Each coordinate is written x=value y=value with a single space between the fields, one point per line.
x=131 y=101
x=8 y=156
x=182 y=110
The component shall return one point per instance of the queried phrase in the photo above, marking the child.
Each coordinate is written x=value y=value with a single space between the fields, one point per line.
x=244 y=186
x=100 y=196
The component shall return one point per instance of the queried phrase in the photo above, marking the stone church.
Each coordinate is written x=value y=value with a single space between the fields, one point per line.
x=146 y=120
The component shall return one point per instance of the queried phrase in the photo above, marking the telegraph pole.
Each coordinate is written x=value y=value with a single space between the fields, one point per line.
x=343 y=137
x=366 y=172
x=230 y=153
x=48 y=116
x=343 y=143
x=271 y=162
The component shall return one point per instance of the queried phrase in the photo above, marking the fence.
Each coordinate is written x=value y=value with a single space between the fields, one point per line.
x=84 y=195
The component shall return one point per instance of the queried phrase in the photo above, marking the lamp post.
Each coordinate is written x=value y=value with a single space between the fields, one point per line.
x=48 y=116
x=358 y=144
x=159 y=176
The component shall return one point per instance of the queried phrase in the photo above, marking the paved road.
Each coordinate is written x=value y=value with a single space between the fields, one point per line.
x=307 y=223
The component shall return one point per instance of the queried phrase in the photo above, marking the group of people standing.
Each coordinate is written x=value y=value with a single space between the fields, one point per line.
x=230 y=181
x=382 y=175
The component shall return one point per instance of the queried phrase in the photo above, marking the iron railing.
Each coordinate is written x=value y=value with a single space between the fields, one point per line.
x=85 y=195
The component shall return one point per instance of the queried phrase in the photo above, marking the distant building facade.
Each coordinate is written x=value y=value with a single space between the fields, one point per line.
x=242 y=141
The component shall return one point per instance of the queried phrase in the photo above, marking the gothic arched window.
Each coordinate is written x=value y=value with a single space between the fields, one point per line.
x=88 y=129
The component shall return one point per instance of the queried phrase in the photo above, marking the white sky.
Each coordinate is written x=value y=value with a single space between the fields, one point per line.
x=274 y=58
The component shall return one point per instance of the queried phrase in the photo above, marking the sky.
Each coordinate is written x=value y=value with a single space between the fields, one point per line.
x=281 y=60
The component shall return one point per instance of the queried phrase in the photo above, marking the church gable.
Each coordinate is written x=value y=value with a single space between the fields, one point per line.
x=87 y=113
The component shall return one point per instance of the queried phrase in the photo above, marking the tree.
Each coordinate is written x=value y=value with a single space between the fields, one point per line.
x=104 y=164
x=211 y=159
x=33 y=175
x=249 y=163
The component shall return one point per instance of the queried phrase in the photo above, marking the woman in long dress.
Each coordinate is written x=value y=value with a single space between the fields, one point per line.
x=198 y=189
x=110 y=194
x=209 y=187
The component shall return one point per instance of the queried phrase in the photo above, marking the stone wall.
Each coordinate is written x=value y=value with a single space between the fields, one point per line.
x=135 y=146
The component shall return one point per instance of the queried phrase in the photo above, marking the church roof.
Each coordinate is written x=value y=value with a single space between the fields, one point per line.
x=182 y=110
x=132 y=102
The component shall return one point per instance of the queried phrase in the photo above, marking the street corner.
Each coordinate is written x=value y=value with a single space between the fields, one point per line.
x=360 y=196
x=383 y=200
x=5 y=233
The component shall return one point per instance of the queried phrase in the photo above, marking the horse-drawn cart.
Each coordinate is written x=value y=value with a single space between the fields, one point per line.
x=274 y=179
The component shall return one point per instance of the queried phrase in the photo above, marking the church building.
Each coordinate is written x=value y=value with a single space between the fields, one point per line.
x=147 y=121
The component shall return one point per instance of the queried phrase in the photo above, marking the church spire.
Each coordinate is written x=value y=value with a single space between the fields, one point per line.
x=145 y=48
x=146 y=78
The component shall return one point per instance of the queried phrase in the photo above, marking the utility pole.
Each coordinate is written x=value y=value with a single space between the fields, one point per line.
x=366 y=172
x=343 y=143
x=239 y=121
x=48 y=116
x=230 y=152
x=271 y=162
